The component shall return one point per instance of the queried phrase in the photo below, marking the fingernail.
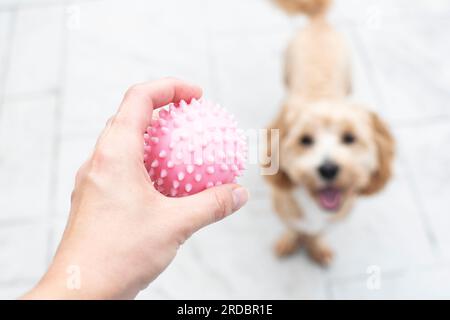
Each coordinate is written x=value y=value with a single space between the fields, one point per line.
x=240 y=197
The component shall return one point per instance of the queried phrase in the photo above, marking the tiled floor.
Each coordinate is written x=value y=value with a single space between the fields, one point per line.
x=65 y=64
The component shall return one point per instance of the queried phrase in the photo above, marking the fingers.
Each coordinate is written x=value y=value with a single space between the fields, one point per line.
x=210 y=206
x=123 y=134
x=140 y=100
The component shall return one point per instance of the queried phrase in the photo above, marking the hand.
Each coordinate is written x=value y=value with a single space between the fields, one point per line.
x=122 y=233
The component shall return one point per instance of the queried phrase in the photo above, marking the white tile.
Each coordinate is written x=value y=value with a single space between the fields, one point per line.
x=427 y=160
x=234 y=259
x=373 y=13
x=166 y=38
x=72 y=154
x=13 y=292
x=249 y=73
x=5 y=31
x=363 y=89
x=431 y=282
x=36 y=51
x=254 y=182
x=22 y=3
x=234 y=49
x=26 y=138
x=22 y=253
x=430 y=47
x=413 y=85
x=245 y=17
x=56 y=230
x=107 y=55
x=85 y=112
x=384 y=230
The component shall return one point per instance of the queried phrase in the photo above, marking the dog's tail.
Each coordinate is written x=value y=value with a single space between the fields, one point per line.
x=312 y=8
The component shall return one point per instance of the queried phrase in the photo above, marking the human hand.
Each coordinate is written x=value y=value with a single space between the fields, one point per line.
x=122 y=233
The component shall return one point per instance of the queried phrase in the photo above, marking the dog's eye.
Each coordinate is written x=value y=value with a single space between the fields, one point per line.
x=306 y=140
x=348 y=138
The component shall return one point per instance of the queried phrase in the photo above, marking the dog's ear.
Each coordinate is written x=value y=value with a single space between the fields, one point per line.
x=386 y=149
x=280 y=179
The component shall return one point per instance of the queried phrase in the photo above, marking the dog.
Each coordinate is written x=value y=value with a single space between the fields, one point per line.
x=331 y=150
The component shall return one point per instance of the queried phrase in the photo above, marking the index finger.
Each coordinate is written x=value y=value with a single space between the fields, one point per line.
x=138 y=103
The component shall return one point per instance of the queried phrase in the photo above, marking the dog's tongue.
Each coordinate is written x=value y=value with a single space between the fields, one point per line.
x=330 y=199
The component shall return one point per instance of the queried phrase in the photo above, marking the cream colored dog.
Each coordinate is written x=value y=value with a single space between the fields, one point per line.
x=331 y=149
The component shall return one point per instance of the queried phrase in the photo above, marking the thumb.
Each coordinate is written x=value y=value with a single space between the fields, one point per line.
x=211 y=205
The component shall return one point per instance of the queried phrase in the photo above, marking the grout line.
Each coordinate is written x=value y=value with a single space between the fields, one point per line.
x=382 y=102
x=390 y=274
x=26 y=281
x=57 y=119
x=423 y=216
x=212 y=60
x=369 y=67
x=328 y=289
x=415 y=122
x=43 y=4
x=7 y=58
x=31 y=95
x=422 y=72
x=218 y=276
x=19 y=222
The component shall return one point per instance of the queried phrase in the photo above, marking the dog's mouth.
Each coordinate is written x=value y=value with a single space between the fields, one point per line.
x=330 y=198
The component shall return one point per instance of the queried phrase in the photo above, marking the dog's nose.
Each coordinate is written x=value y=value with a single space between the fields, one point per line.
x=329 y=170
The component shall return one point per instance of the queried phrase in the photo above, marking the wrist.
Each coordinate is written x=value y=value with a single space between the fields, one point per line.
x=77 y=281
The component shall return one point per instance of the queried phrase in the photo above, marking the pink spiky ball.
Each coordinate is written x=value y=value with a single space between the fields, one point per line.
x=192 y=147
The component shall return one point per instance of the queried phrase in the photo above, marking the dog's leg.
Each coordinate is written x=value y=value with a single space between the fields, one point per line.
x=288 y=243
x=319 y=250
x=287 y=208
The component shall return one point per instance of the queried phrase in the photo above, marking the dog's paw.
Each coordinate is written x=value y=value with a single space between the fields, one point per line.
x=286 y=245
x=321 y=253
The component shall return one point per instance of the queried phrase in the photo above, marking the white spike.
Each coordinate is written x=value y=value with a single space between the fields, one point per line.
x=163 y=154
x=177 y=123
x=199 y=161
x=210 y=158
x=155 y=164
x=164 y=130
x=155 y=140
x=190 y=117
x=163 y=114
